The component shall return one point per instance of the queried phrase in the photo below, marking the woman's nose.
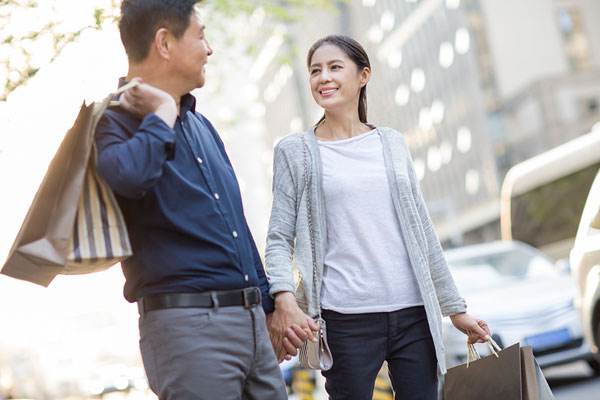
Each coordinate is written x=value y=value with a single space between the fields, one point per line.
x=325 y=76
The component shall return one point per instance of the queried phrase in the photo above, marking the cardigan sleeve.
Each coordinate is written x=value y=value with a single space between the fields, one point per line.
x=445 y=288
x=282 y=226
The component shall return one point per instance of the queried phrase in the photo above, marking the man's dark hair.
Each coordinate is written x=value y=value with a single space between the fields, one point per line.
x=140 y=19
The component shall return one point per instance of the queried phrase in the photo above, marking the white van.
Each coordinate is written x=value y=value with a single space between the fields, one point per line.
x=585 y=267
x=542 y=198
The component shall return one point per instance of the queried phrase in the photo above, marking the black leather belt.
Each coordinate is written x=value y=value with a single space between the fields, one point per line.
x=247 y=297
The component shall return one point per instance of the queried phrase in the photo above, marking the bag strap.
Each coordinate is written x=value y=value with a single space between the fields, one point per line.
x=473 y=355
x=127 y=86
x=311 y=233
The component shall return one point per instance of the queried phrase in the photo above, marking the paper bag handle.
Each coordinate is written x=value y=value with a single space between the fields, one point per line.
x=473 y=355
x=127 y=86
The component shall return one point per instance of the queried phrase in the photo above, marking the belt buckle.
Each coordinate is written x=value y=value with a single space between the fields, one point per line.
x=246 y=292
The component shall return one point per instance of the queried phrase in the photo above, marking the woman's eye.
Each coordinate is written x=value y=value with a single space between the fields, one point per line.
x=334 y=67
x=314 y=71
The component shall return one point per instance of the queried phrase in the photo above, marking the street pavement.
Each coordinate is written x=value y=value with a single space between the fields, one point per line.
x=573 y=382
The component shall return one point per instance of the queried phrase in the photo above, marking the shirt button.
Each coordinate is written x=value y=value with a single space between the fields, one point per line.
x=235 y=234
x=246 y=278
x=199 y=160
x=217 y=196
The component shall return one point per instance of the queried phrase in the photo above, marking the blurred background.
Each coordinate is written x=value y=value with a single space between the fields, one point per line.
x=476 y=86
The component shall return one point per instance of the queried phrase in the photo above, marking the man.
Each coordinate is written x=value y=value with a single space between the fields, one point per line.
x=195 y=273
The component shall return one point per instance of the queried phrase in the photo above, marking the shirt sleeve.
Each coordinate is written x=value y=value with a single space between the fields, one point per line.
x=132 y=164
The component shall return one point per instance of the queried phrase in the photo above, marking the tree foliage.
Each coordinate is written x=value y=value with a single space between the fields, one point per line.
x=34 y=32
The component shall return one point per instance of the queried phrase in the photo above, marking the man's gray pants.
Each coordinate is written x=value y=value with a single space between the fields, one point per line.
x=210 y=354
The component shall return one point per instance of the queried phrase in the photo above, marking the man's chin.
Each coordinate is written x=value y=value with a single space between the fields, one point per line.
x=196 y=85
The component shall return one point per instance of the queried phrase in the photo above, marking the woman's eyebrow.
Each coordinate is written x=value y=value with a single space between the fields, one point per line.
x=328 y=63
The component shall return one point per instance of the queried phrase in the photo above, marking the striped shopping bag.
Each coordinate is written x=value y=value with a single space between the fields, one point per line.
x=74 y=224
x=99 y=237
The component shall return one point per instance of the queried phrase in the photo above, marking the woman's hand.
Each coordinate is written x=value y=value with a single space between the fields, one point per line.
x=289 y=326
x=476 y=329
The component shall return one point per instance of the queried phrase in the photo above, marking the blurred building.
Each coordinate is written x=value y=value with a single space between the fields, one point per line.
x=546 y=61
x=475 y=85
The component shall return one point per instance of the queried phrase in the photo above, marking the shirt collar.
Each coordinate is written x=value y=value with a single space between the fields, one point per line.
x=186 y=103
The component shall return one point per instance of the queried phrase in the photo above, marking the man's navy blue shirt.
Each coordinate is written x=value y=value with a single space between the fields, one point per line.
x=182 y=205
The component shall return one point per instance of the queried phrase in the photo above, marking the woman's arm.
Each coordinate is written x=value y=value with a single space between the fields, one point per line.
x=288 y=325
x=450 y=301
x=282 y=227
x=447 y=293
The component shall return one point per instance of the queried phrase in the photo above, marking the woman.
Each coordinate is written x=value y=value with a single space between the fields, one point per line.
x=381 y=272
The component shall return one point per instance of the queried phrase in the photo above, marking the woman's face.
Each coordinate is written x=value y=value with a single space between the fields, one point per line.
x=335 y=80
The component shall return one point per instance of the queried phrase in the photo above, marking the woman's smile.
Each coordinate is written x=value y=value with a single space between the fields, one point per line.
x=327 y=91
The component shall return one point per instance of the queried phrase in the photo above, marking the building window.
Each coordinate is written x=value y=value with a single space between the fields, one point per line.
x=417 y=80
x=394 y=59
x=446 y=57
x=463 y=139
x=571 y=26
x=375 y=34
x=452 y=4
x=462 y=41
x=589 y=107
x=472 y=181
x=402 y=95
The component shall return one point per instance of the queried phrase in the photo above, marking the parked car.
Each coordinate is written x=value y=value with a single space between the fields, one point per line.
x=524 y=298
x=585 y=268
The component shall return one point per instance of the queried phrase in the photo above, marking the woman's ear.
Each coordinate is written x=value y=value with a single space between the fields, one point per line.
x=365 y=76
x=162 y=43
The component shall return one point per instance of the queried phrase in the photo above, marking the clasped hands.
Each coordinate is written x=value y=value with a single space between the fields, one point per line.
x=289 y=326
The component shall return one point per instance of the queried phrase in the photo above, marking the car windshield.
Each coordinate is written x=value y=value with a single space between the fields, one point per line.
x=499 y=268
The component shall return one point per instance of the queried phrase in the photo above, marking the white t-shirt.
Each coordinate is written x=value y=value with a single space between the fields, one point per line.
x=366 y=264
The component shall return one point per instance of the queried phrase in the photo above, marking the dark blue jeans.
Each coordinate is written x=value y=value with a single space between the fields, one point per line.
x=361 y=342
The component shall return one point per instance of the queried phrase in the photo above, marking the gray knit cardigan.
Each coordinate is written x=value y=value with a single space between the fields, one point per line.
x=288 y=236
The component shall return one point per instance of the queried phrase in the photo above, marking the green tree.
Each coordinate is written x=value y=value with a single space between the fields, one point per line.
x=33 y=33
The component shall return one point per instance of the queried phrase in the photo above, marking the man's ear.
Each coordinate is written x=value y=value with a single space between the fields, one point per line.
x=162 y=42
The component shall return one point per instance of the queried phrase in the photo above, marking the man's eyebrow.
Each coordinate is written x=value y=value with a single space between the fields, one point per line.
x=328 y=63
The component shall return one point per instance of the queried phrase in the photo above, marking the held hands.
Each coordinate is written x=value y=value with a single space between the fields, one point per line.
x=143 y=99
x=289 y=326
x=476 y=329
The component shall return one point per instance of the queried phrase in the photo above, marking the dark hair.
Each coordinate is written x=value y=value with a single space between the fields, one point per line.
x=140 y=19
x=357 y=54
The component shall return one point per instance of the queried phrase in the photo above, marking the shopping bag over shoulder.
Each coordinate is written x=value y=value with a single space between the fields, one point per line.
x=74 y=224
